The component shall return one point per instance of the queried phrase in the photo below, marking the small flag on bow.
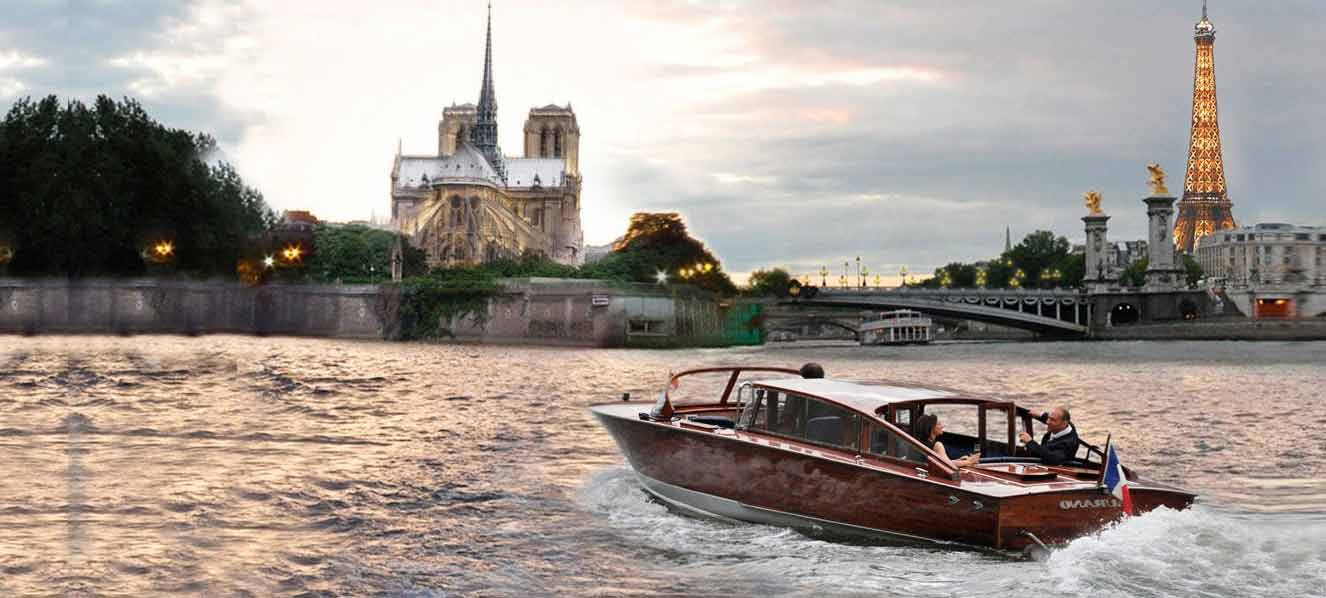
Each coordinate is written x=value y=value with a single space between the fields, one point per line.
x=1116 y=482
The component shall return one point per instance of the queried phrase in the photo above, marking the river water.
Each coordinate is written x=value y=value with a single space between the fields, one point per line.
x=242 y=466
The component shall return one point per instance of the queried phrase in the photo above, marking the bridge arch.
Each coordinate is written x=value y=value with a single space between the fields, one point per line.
x=1125 y=313
x=1050 y=312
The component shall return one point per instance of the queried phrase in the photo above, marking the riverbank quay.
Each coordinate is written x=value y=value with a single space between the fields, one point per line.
x=599 y=313
x=526 y=311
x=191 y=307
x=1223 y=329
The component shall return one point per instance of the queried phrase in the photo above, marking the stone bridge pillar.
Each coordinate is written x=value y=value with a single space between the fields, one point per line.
x=1098 y=271
x=1162 y=274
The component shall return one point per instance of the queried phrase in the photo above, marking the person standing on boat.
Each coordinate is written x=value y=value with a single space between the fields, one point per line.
x=1059 y=444
x=928 y=429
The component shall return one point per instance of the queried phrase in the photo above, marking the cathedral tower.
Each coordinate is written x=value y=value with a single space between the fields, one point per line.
x=484 y=133
x=552 y=132
x=1205 y=207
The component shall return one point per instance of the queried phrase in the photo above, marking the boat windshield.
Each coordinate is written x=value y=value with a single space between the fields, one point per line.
x=707 y=386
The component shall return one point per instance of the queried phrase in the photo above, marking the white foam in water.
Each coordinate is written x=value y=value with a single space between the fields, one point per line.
x=1198 y=552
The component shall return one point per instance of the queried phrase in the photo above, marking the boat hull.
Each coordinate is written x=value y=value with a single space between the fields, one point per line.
x=728 y=476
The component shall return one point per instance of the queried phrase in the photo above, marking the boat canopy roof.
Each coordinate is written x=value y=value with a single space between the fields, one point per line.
x=862 y=396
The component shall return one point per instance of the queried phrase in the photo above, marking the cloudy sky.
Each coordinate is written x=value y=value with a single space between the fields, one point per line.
x=789 y=133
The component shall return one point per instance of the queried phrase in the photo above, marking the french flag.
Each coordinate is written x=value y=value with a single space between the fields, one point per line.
x=1116 y=482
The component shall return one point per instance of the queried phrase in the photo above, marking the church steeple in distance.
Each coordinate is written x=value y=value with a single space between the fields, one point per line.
x=1205 y=207
x=484 y=133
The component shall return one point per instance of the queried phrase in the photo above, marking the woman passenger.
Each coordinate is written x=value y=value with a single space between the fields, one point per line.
x=928 y=430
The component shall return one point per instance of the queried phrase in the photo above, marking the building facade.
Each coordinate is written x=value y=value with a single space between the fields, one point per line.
x=471 y=204
x=1205 y=207
x=1269 y=270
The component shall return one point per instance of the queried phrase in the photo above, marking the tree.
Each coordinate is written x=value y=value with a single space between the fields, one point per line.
x=1192 y=271
x=87 y=190
x=1135 y=274
x=355 y=252
x=957 y=275
x=770 y=283
x=999 y=274
x=1037 y=252
x=659 y=242
x=1072 y=270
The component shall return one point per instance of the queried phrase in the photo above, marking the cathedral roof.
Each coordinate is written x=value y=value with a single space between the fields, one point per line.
x=466 y=165
x=520 y=172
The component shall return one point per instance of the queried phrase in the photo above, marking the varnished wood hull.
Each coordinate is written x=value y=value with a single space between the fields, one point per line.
x=725 y=475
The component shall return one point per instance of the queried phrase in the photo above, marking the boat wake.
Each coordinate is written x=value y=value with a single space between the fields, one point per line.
x=1198 y=552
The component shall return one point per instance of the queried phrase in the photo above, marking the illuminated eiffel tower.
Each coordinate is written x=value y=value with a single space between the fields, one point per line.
x=1205 y=207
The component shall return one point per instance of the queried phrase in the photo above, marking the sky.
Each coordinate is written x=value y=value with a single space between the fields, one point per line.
x=789 y=134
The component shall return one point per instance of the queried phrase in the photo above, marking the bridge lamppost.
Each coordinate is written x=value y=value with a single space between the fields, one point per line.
x=877 y=281
x=824 y=276
x=902 y=274
x=858 y=272
x=843 y=279
x=865 y=274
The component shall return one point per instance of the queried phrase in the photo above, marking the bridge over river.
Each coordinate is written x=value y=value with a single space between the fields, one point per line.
x=1051 y=312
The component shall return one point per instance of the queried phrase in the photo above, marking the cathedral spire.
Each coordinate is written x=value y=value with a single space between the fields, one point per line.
x=484 y=133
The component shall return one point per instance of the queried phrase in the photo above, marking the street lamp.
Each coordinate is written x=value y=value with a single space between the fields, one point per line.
x=858 y=272
x=824 y=276
x=865 y=273
x=844 y=277
x=902 y=274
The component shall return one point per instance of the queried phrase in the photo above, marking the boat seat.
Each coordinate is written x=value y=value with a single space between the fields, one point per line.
x=827 y=429
x=713 y=420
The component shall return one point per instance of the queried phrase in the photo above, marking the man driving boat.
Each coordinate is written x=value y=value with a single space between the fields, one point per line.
x=1059 y=444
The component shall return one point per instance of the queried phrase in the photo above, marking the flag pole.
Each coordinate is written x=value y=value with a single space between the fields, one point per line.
x=1104 y=462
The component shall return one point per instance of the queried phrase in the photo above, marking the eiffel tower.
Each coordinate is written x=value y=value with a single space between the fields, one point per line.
x=1205 y=206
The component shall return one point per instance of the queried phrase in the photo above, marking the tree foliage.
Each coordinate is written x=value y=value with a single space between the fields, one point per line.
x=1040 y=260
x=774 y=282
x=659 y=242
x=1135 y=274
x=1192 y=271
x=84 y=190
x=358 y=253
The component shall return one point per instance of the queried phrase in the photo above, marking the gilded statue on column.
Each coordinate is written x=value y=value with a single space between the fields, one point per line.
x=1092 y=199
x=1157 y=181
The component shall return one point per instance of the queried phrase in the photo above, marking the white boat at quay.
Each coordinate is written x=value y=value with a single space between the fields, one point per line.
x=897 y=327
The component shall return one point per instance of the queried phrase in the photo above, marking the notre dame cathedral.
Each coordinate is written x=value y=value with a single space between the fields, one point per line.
x=470 y=204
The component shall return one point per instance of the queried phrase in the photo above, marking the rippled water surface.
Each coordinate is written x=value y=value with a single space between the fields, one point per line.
x=241 y=466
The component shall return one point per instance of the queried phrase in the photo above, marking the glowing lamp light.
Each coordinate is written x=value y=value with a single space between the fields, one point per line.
x=292 y=253
x=268 y=261
x=661 y=277
x=162 y=250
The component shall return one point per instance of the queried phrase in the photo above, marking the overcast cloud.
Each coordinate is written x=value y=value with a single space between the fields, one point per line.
x=788 y=133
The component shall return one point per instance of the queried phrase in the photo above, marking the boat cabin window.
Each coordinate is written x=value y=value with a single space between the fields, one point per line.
x=961 y=426
x=802 y=418
x=886 y=443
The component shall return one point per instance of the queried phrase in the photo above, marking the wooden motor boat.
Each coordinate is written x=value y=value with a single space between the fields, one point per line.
x=764 y=445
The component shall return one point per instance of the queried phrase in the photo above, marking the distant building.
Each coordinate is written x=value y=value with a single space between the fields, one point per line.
x=594 y=253
x=1269 y=270
x=471 y=204
x=1205 y=207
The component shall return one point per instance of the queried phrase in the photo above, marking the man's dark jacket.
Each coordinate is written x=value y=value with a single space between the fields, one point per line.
x=1054 y=452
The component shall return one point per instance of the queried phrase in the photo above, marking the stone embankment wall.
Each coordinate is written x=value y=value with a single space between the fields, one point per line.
x=188 y=307
x=528 y=311
x=592 y=313
x=1220 y=329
